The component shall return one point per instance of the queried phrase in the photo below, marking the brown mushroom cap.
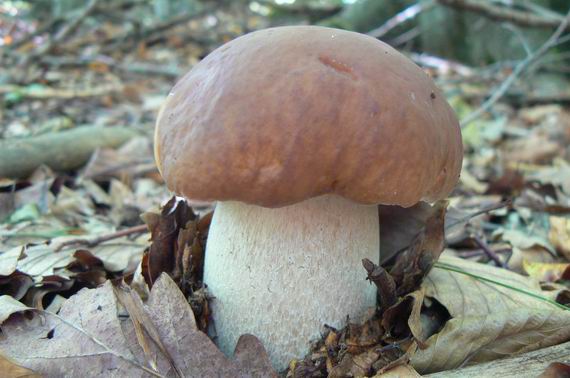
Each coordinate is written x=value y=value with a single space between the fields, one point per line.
x=281 y=115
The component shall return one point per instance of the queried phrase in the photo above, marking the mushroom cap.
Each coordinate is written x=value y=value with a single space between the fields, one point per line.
x=284 y=114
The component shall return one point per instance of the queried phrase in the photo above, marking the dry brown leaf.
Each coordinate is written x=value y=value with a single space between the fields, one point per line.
x=399 y=225
x=534 y=148
x=556 y=370
x=527 y=365
x=557 y=174
x=165 y=253
x=412 y=265
x=10 y=370
x=9 y=306
x=9 y=261
x=534 y=254
x=47 y=259
x=488 y=321
x=84 y=340
x=559 y=235
x=547 y=272
x=402 y=371
x=16 y=284
x=90 y=338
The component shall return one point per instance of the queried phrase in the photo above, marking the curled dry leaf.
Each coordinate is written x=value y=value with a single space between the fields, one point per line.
x=414 y=263
x=488 y=321
x=91 y=337
x=166 y=254
x=399 y=225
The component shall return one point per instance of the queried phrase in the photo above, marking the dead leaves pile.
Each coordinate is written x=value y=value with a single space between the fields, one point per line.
x=108 y=331
x=60 y=233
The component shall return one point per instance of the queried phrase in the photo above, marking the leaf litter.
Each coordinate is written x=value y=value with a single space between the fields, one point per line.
x=511 y=209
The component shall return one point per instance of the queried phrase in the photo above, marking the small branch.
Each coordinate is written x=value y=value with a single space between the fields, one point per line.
x=441 y=64
x=61 y=151
x=499 y=13
x=482 y=211
x=159 y=27
x=403 y=16
x=519 y=69
x=63 y=33
x=103 y=238
x=489 y=252
x=132 y=67
x=59 y=93
x=530 y=364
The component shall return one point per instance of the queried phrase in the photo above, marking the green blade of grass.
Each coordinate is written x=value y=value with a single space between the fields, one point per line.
x=452 y=268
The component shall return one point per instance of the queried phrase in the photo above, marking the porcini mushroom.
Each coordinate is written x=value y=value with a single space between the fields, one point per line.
x=299 y=132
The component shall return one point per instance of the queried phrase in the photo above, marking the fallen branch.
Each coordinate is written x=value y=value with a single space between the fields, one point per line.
x=63 y=33
x=131 y=67
x=60 y=151
x=42 y=93
x=157 y=28
x=531 y=364
x=489 y=252
x=92 y=242
x=519 y=69
x=498 y=13
x=407 y=14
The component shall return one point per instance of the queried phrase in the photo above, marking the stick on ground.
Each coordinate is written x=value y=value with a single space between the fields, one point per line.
x=531 y=364
x=61 y=151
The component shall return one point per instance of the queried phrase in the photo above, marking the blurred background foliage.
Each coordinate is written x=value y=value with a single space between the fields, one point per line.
x=439 y=30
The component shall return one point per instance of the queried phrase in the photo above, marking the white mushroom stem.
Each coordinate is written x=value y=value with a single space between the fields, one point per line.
x=281 y=274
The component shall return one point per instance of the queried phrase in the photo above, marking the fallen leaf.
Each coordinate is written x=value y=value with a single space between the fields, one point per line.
x=48 y=259
x=16 y=284
x=556 y=370
x=399 y=225
x=9 y=261
x=534 y=148
x=547 y=272
x=90 y=337
x=488 y=321
x=10 y=370
x=557 y=174
x=559 y=235
x=165 y=255
x=414 y=263
x=402 y=371
x=9 y=306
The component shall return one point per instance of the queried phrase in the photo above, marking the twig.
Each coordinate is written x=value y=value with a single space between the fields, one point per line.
x=60 y=93
x=403 y=16
x=489 y=252
x=441 y=64
x=30 y=36
x=529 y=364
x=159 y=27
x=103 y=238
x=484 y=210
x=132 y=67
x=519 y=69
x=61 y=150
x=494 y=12
x=63 y=33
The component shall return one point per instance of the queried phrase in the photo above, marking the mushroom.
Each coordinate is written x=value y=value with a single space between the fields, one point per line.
x=299 y=132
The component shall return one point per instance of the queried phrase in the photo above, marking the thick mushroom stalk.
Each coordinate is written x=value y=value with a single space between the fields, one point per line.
x=281 y=274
